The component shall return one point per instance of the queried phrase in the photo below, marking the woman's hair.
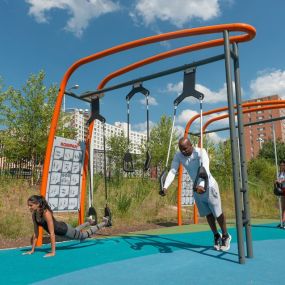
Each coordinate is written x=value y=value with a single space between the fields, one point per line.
x=282 y=161
x=43 y=204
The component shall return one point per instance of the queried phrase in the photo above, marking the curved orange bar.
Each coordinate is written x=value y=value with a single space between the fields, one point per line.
x=221 y=109
x=203 y=45
x=276 y=105
x=237 y=27
x=158 y=57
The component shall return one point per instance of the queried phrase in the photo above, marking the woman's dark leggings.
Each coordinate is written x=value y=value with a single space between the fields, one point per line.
x=76 y=233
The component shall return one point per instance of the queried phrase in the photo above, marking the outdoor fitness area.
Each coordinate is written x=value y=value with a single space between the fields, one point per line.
x=180 y=255
x=246 y=253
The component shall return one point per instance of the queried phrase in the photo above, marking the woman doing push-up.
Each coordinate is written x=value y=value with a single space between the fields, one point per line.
x=42 y=215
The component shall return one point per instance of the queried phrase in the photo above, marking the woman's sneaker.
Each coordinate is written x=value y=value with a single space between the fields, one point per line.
x=226 y=242
x=108 y=217
x=91 y=220
x=217 y=241
x=107 y=221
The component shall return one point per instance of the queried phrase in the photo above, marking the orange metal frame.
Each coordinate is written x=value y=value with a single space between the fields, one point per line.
x=276 y=104
x=248 y=34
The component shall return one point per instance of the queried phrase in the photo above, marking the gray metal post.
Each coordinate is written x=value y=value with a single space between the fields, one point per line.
x=244 y=176
x=234 y=150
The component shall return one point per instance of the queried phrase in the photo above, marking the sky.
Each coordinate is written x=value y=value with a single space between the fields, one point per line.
x=51 y=35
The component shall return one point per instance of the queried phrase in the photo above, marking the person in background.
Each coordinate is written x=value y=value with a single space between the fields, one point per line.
x=281 y=179
x=42 y=215
x=206 y=193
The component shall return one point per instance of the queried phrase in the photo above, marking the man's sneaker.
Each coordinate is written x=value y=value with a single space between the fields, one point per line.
x=226 y=242
x=217 y=241
x=281 y=226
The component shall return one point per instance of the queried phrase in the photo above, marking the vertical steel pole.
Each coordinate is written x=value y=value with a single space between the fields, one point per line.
x=234 y=150
x=244 y=176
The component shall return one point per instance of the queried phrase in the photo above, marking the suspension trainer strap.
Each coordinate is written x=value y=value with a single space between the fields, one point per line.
x=128 y=161
x=163 y=175
x=201 y=173
x=95 y=114
x=201 y=127
x=105 y=162
x=171 y=135
x=128 y=120
x=147 y=120
x=148 y=156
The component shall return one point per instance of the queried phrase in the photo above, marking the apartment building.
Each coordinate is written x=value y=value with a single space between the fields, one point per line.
x=78 y=119
x=119 y=128
x=256 y=135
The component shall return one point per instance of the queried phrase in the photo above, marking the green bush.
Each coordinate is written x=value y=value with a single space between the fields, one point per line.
x=262 y=169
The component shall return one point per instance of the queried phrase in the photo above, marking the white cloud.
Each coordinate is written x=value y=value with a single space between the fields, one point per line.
x=213 y=96
x=141 y=127
x=175 y=88
x=269 y=82
x=215 y=137
x=81 y=11
x=179 y=131
x=151 y=101
x=210 y=96
x=178 y=12
x=185 y=116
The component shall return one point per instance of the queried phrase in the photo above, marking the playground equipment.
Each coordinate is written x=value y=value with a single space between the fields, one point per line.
x=95 y=114
x=128 y=165
x=248 y=33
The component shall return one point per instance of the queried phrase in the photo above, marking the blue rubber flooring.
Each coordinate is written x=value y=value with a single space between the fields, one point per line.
x=184 y=258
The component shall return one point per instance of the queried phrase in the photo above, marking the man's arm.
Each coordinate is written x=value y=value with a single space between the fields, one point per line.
x=171 y=174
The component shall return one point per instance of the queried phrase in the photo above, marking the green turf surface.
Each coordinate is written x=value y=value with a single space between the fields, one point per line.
x=74 y=256
x=192 y=228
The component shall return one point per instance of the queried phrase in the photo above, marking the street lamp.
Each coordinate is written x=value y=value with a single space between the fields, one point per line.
x=68 y=92
x=260 y=140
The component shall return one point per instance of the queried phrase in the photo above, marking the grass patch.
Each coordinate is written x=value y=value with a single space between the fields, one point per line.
x=133 y=201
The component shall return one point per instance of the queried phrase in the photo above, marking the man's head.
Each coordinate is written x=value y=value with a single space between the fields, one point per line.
x=185 y=146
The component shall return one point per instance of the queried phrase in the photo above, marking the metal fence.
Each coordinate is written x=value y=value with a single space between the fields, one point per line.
x=21 y=169
x=26 y=169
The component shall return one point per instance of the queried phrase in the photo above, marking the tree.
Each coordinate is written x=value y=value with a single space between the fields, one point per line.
x=159 y=142
x=262 y=169
x=221 y=161
x=26 y=115
x=267 y=151
x=118 y=146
